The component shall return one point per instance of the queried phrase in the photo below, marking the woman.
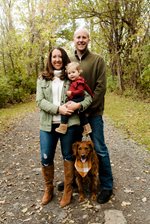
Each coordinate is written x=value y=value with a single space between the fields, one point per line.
x=52 y=86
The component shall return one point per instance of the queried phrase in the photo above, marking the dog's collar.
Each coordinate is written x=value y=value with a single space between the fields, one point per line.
x=83 y=168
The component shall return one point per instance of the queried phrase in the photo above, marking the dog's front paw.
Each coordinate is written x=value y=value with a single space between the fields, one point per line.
x=93 y=197
x=81 y=198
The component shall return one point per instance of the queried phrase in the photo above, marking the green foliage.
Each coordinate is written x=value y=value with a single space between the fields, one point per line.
x=5 y=91
x=23 y=86
x=19 y=95
x=16 y=88
x=30 y=84
x=145 y=76
x=111 y=83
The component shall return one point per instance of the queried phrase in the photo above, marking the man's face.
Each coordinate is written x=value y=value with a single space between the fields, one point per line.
x=81 y=40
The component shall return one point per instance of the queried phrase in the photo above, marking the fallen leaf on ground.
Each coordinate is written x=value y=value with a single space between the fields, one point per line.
x=125 y=203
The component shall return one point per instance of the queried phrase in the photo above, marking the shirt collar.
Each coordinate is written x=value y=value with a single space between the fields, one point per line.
x=83 y=56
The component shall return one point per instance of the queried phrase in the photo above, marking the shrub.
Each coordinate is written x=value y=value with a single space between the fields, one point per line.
x=111 y=83
x=5 y=91
x=145 y=78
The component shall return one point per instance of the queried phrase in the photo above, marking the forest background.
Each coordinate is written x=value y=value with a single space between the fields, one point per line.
x=119 y=31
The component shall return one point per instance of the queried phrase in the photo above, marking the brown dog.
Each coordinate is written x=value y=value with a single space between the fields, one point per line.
x=86 y=165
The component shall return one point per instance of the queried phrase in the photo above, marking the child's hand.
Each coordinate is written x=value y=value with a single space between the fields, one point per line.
x=68 y=93
x=67 y=103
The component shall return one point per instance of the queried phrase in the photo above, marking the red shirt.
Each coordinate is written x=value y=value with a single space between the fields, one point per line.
x=78 y=87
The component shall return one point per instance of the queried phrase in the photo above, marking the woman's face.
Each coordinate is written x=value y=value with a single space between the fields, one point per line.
x=56 y=59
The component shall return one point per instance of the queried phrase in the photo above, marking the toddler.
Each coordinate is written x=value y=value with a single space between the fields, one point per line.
x=75 y=93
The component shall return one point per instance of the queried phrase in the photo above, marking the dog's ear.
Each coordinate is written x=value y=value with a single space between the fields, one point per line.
x=74 y=148
x=91 y=154
x=90 y=143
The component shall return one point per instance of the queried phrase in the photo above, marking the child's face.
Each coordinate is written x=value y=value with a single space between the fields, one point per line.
x=73 y=74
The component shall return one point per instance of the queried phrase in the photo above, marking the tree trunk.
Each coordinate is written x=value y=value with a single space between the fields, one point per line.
x=119 y=73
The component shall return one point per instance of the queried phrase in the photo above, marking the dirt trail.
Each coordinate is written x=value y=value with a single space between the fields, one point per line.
x=22 y=185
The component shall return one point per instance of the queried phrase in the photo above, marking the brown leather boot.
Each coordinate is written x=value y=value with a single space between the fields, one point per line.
x=62 y=128
x=87 y=129
x=68 y=179
x=48 y=174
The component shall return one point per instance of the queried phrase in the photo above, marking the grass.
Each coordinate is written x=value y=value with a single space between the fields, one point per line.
x=10 y=114
x=133 y=117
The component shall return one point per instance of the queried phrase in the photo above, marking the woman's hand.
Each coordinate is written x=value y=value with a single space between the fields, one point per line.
x=64 y=110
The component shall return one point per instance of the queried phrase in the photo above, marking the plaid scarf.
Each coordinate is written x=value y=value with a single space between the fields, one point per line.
x=83 y=168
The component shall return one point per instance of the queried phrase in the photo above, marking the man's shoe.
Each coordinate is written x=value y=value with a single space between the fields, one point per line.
x=104 y=196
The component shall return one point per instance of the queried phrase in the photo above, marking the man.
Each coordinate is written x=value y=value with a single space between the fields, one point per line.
x=93 y=68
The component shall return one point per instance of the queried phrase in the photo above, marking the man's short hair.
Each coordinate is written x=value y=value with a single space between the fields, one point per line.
x=82 y=29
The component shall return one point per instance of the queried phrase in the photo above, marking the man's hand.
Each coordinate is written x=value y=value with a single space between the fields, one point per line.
x=64 y=110
x=73 y=106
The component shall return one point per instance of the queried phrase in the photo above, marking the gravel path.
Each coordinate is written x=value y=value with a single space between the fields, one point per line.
x=22 y=184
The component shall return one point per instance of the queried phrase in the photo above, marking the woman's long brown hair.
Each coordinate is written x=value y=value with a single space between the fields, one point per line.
x=48 y=74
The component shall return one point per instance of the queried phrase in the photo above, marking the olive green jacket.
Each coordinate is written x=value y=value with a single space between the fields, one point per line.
x=44 y=101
